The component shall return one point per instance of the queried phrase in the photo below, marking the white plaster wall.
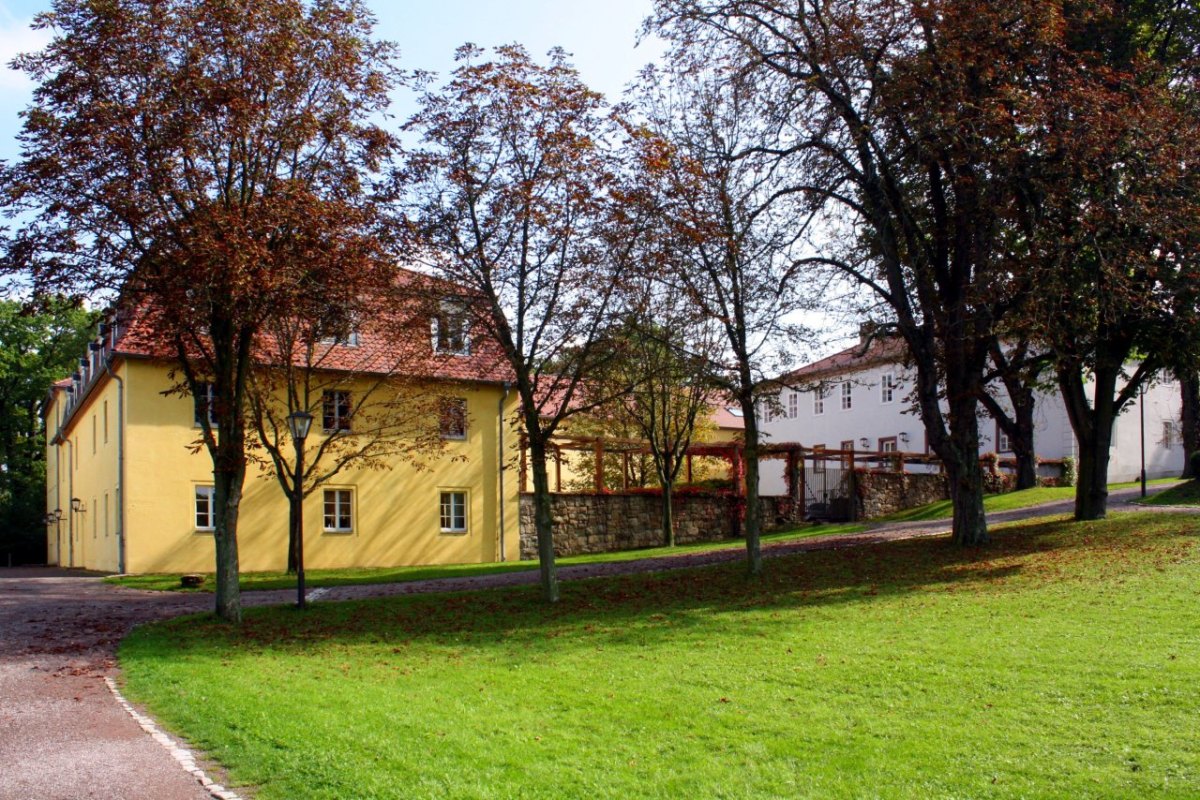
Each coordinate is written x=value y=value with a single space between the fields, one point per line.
x=869 y=417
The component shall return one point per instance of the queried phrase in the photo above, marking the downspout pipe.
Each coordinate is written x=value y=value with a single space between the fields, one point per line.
x=70 y=502
x=500 y=462
x=120 y=464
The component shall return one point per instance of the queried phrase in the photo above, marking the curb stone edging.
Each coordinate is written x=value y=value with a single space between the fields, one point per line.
x=185 y=757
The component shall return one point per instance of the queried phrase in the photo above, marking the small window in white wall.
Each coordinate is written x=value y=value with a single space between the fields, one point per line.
x=819 y=401
x=1003 y=443
x=793 y=405
x=204 y=508
x=454 y=512
x=847 y=396
x=339 y=512
x=887 y=387
x=1168 y=436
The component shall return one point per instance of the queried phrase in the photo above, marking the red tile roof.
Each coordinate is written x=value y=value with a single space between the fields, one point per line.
x=393 y=340
x=728 y=417
x=880 y=350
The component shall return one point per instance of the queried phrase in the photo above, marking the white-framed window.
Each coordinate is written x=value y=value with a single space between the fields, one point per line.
x=452 y=329
x=339 y=510
x=205 y=402
x=847 y=395
x=793 y=405
x=335 y=411
x=204 y=512
x=818 y=457
x=887 y=387
x=1003 y=443
x=453 y=418
x=888 y=444
x=1168 y=436
x=819 y=401
x=453 y=508
x=764 y=407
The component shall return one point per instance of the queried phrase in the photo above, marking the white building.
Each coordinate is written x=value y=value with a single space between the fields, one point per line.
x=860 y=399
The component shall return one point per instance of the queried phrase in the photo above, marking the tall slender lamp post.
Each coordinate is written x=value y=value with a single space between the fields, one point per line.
x=1142 y=414
x=298 y=423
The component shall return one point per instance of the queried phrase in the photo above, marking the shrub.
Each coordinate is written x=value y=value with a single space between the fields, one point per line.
x=1070 y=471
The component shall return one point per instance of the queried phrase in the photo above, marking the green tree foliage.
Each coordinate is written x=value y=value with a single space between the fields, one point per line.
x=37 y=347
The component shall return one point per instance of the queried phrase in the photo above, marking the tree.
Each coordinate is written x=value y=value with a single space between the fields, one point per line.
x=38 y=345
x=727 y=240
x=356 y=358
x=1018 y=367
x=901 y=124
x=661 y=367
x=204 y=161
x=1116 y=196
x=512 y=201
x=1189 y=396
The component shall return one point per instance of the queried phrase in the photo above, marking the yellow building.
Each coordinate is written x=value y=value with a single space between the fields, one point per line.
x=129 y=491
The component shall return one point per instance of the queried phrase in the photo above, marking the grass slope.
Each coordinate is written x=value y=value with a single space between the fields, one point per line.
x=1185 y=494
x=1061 y=661
x=1010 y=501
x=249 y=581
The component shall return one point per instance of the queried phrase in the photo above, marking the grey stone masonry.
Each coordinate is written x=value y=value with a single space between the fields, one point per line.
x=592 y=523
x=883 y=493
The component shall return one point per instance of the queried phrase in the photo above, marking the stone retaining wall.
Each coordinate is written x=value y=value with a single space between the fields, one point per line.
x=883 y=493
x=590 y=523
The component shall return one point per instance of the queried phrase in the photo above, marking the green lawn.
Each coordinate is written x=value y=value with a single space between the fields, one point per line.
x=1061 y=661
x=349 y=577
x=1185 y=494
x=1009 y=501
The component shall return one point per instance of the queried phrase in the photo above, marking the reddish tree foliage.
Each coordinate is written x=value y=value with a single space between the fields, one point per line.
x=512 y=200
x=206 y=162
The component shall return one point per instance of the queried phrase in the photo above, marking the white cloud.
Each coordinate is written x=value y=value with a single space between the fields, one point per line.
x=16 y=37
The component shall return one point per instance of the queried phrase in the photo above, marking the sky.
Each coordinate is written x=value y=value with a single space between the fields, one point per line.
x=602 y=36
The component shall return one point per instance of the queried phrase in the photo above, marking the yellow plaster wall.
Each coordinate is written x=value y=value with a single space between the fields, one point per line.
x=396 y=509
x=84 y=467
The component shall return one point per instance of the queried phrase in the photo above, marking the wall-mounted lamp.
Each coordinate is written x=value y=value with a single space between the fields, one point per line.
x=865 y=442
x=903 y=437
x=76 y=505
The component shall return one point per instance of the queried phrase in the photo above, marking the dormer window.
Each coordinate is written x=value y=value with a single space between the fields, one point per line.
x=348 y=339
x=451 y=329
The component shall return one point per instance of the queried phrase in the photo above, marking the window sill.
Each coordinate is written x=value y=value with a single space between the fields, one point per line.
x=446 y=532
x=339 y=531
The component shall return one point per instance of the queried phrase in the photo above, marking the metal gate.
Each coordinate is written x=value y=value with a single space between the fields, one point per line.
x=827 y=490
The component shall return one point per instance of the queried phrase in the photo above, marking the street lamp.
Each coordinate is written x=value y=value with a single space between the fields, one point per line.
x=298 y=423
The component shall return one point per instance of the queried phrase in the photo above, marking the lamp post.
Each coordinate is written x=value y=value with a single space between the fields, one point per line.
x=1142 y=414
x=298 y=424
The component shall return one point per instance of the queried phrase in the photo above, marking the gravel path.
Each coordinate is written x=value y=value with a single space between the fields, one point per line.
x=63 y=735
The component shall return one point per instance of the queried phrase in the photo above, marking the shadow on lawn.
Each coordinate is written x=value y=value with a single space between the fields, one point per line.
x=684 y=602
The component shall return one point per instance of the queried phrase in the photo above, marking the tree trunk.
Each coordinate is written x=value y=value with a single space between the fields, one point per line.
x=1189 y=389
x=668 y=513
x=227 y=498
x=753 y=527
x=1023 y=448
x=965 y=474
x=1092 y=423
x=1091 y=492
x=543 y=522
